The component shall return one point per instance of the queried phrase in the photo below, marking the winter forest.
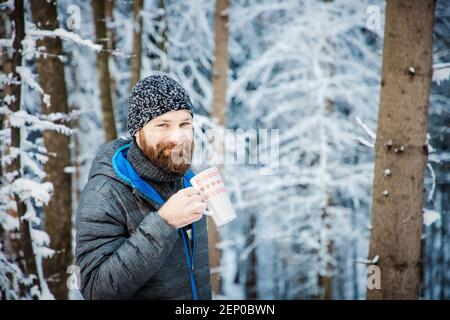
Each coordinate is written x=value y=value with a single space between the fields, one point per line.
x=349 y=101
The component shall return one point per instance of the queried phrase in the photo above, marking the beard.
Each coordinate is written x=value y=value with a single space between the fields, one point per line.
x=169 y=156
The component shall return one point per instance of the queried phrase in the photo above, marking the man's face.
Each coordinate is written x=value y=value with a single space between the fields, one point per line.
x=168 y=141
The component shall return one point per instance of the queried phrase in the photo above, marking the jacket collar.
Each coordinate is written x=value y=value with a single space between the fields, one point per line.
x=129 y=175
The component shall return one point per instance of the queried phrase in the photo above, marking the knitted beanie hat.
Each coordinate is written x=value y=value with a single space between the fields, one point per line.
x=153 y=96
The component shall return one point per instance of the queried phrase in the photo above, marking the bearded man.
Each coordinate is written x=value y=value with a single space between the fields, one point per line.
x=140 y=231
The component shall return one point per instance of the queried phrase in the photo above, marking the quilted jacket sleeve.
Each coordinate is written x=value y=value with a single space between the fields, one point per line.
x=113 y=264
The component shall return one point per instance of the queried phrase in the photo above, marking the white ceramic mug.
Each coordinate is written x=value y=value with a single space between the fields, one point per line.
x=210 y=185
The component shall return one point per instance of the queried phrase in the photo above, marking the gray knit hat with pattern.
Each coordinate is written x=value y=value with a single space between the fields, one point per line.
x=153 y=96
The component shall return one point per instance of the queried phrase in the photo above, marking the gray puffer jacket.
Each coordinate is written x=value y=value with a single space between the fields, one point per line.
x=124 y=249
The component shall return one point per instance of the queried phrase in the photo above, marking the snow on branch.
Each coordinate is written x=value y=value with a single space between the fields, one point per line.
x=37 y=123
x=247 y=14
x=433 y=182
x=66 y=35
x=26 y=188
x=28 y=162
x=7 y=5
x=40 y=242
x=41 y=239
x=430 y=217
x=441 y=72
x=369 y=132
x=27 y=77
x=5 y=43
x=375 y=260
x=8 y=158
x=7 y=221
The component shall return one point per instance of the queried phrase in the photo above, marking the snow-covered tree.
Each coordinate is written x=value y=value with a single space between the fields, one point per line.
x=307 y=71
x=311 y=70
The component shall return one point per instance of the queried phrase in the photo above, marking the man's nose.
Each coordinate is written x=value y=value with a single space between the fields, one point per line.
x=177 y=137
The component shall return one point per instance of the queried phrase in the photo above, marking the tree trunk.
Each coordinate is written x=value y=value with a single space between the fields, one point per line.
x=401 y=148
x=4 y=34
x=104 y=78
x=20 y=241
x=58 y=212
x=252 y=276
x=112 y=36
x=219 y=81
x=220 y=62
x=326 y=281
x=162 y=30
x=4 y=26
x=136 y=55
x=74 y=107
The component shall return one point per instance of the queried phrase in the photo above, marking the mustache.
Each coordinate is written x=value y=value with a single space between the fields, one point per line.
x=171 y=146
x=175 y=153
x=170 y=156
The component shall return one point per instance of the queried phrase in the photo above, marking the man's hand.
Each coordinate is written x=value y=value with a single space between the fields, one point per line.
x=183 y=208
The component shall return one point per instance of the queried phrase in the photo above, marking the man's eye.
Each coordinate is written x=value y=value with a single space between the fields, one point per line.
x=185 y=123
x=162 y=125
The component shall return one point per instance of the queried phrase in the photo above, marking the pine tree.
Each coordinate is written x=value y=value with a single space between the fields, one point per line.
x=219 y=82
x=103 y=74
x=401 y=148
x=20 y=241
x=58 y=212
x=136 y=55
